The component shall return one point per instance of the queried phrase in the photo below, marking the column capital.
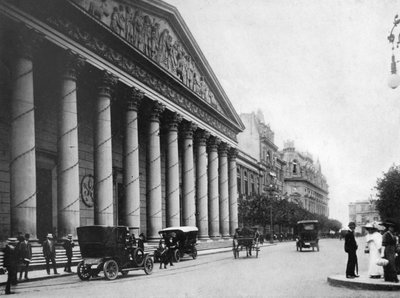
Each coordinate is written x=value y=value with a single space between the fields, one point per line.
x=233 y=153
x=202 y=136
x=188 y=129
x=106 y=82
x=223 y=149
x=133 y=98
x=173 y=119
x=70 y=64
x=155 y=110
x=213 y=143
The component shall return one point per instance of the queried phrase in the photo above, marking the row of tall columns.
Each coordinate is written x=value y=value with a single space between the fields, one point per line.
x=212 y=186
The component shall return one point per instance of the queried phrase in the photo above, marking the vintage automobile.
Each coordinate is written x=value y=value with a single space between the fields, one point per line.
x=307 y=235
x=248 y=238
x=111 y=249
x=185 y=238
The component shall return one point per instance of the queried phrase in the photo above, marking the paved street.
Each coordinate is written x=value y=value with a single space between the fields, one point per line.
x=279 y=271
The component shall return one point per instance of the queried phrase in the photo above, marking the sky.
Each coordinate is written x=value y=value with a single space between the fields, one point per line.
x=318 y=70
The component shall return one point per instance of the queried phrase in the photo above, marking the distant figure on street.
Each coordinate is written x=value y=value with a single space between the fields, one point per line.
x=389 y=252
x=25 y=256
x=49 y=253
x=141 y=241
x=171 y=245
x=374 y=243
x=68 y=246
x=11 y=263
x=350 y=247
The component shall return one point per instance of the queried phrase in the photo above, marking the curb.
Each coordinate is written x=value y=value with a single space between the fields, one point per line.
x=364 y=284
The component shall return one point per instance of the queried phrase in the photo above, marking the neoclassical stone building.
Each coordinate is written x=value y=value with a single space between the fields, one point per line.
x=304 y=182
x=110 y=114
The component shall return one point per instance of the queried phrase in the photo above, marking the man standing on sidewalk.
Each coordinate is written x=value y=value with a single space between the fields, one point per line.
x=11 y=263
x=68 y=245
x=350 y=246
x=25 y=255
x=49 y=253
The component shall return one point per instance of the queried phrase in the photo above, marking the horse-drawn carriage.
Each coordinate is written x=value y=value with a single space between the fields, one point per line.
x=248 y=238
x=111 y=250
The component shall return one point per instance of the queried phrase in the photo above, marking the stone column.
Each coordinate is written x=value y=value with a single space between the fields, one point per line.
x=154 y=204
x=104 y=205
x=67 y=155
x=233 y=192
x=213 y=191
x=173 y=211
x=202 y=183
x=131 y=200
x=223 y=190
x=22 y=142
x=188 y=186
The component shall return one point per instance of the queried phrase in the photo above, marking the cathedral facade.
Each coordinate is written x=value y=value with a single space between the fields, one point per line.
x=111 y=115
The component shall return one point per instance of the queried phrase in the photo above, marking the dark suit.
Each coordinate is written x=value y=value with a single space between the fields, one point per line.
x=25 y=255
x=11 y=263
x=350 y=246
x=49 y=253
x=68 y=245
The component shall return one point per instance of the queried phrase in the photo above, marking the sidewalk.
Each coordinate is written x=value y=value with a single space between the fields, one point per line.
x=363 y=282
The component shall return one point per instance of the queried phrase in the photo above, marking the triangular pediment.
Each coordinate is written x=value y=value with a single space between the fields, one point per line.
x=157 y=30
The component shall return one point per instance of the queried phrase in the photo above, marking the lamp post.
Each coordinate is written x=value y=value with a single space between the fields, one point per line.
x=394 y=79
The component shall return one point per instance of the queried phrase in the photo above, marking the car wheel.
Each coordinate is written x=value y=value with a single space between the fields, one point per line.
x=148 y=265
x=84 y=272
x=138 y=257
x=110 y=269
x=177 y=256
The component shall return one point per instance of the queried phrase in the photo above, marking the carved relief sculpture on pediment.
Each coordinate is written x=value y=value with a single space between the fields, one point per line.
x=154 y=37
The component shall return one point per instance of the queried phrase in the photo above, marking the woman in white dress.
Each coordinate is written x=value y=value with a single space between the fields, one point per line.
x=374 y=243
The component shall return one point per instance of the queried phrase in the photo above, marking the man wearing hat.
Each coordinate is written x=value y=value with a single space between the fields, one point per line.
x=11 y=263
x=350 y=246
x=49 y=253
x=25 y=256
x=68 y=245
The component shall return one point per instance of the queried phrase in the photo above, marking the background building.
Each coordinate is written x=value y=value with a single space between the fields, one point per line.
x=363 y=212
x=303 y=180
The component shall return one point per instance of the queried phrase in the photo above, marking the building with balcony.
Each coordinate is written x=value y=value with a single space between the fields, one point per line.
x=304 y=182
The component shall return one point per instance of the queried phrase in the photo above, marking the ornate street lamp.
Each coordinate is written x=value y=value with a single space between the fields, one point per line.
x=394 y=79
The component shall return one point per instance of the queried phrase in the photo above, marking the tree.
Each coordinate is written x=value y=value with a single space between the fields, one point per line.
x=388 y=192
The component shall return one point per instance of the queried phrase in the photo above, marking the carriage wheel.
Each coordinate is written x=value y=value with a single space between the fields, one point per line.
x=194 y=253
x=138 y=257
x=83 y=271
x=176 y=256
x=148 y=265
x=110 y=269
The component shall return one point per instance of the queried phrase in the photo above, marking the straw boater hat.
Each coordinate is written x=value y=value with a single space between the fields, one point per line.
x=69 y=236
x=50 y=236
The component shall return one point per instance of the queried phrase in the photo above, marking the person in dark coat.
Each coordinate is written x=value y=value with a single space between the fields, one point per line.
x=350 y=247
x=11 y=263
x=171 y=245
x=389 y=252
x=49 y=253
x=68 y=246
x=141 y=241
x=25 y=256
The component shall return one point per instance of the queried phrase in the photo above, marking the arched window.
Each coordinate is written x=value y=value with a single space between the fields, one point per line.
x=295 y=167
